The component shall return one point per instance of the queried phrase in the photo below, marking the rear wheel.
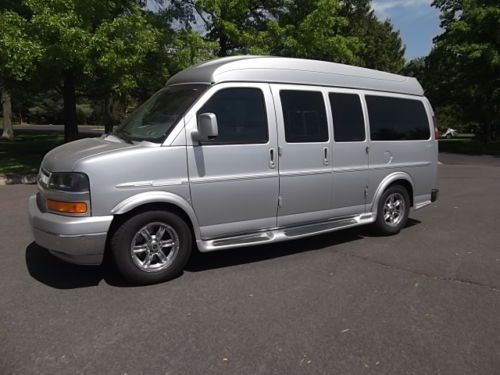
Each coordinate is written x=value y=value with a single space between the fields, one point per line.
x=393 y=209
x=151 y=247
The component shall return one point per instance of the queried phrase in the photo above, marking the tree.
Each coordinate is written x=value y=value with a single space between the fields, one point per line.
x=463 y=69
x=312 y=29
x=232 y=24
x=122 y=51
x=415 y=68
x=188 y=48
x=18 y=57
x=381 y=46
x=102 y=40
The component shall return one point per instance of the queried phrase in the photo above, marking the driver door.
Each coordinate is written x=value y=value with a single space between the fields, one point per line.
x=234 y=177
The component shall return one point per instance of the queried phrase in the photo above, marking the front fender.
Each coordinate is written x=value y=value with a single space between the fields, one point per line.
x=158 y=197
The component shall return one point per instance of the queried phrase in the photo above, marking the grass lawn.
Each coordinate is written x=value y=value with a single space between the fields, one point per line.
x=24 y=154
x=467 y=144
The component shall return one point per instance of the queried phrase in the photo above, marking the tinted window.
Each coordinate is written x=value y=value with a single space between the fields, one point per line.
x=397 y=119
x=241 y=115
x=304 y=115
x=348 y=122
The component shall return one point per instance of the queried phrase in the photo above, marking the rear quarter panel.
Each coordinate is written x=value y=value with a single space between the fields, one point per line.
x=417 y=158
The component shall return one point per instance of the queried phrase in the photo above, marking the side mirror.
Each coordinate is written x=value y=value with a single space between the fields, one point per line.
x=207 y=127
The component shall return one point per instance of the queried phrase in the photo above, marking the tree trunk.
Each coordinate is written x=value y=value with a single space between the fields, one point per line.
x=108 y=114
x=8 y=130
x=223 y=44
x=69 y=98
x=114 y=111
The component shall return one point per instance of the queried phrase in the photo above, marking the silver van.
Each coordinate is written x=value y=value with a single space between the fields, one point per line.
x=240 y=151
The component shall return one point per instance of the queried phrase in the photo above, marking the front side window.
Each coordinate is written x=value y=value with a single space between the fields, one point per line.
x=304 y=116
x=348 y=121
x=241 y=115
x=393 y=119
x=154 y=119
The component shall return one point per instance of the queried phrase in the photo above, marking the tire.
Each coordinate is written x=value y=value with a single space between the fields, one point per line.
x=391 y=220
x=151 y=247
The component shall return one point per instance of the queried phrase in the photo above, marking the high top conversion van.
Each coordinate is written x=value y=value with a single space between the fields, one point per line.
x=240 y=151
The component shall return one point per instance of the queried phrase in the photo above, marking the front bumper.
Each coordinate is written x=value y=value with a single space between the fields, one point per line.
x=79 y=240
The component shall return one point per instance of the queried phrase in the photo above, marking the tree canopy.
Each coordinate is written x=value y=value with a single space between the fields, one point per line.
x=463 y=69
x=103 y=54
x=18 y=57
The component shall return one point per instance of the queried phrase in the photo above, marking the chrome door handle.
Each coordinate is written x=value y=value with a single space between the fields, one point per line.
x=272 y=158
x=325 y=155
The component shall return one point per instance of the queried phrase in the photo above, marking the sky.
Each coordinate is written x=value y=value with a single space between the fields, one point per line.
x=416 y=20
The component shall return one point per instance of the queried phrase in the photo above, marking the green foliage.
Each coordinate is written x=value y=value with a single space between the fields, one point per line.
x=24 y=154
x=84 y=112
x=312 y=29
x=103 y=54
x=233 y=24
x=18 y=52
x=469 y=145
x=189 y=48
x=95 y=45
x=43 y=110
x=464 y=67
x=415 y=68
x=119 y=48
x=381 y=46
x=95 y=39
x=451 y=116
x=342 y=31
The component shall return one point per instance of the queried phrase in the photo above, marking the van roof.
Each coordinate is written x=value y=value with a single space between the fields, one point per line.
x=295 y=71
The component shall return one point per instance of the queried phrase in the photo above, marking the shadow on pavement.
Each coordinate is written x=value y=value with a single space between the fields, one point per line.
x=227 y=258
x=51 y=271
x=56 y=273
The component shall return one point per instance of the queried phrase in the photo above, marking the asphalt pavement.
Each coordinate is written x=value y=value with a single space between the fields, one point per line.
x=426 y=301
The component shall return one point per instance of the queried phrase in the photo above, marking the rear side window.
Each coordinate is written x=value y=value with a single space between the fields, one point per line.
x=348 y=121
x=304 y=115
x=393 y=119
x=241 y=115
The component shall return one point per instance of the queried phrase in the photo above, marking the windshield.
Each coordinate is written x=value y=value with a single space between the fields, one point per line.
x=154 y=119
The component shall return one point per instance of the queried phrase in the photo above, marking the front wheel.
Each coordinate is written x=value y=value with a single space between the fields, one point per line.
x=151 y=247
x=392 y=211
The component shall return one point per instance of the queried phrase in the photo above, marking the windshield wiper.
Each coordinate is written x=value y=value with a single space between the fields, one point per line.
x=123 y=134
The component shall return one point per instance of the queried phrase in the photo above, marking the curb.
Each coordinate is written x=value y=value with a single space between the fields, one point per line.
x=28 y=179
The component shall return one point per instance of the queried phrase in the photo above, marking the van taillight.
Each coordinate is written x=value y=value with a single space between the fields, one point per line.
x=436 y=130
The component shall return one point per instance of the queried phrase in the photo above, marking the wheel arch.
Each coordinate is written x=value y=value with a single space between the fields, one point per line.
x=396 y=178
x=156 y=200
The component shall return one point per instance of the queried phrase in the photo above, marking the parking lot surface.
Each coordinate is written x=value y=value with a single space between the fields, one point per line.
x=426 y=301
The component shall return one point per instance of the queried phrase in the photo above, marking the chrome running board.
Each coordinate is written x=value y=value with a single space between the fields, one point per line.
x=283 y=234
x=418 y=206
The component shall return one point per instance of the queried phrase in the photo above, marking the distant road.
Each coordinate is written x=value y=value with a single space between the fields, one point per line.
x=83 y=129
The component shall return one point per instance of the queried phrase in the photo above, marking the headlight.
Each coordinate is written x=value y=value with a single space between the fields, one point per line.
x=73 y=182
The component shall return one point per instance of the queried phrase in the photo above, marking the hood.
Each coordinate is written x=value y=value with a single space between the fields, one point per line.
x=64 y=158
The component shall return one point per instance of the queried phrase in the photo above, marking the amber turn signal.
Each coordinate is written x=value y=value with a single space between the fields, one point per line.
x=67 y=207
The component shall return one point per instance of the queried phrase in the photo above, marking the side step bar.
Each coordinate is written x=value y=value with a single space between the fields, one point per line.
x=283 y=234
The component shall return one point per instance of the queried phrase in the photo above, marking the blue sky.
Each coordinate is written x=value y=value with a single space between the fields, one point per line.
x=416 y=20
